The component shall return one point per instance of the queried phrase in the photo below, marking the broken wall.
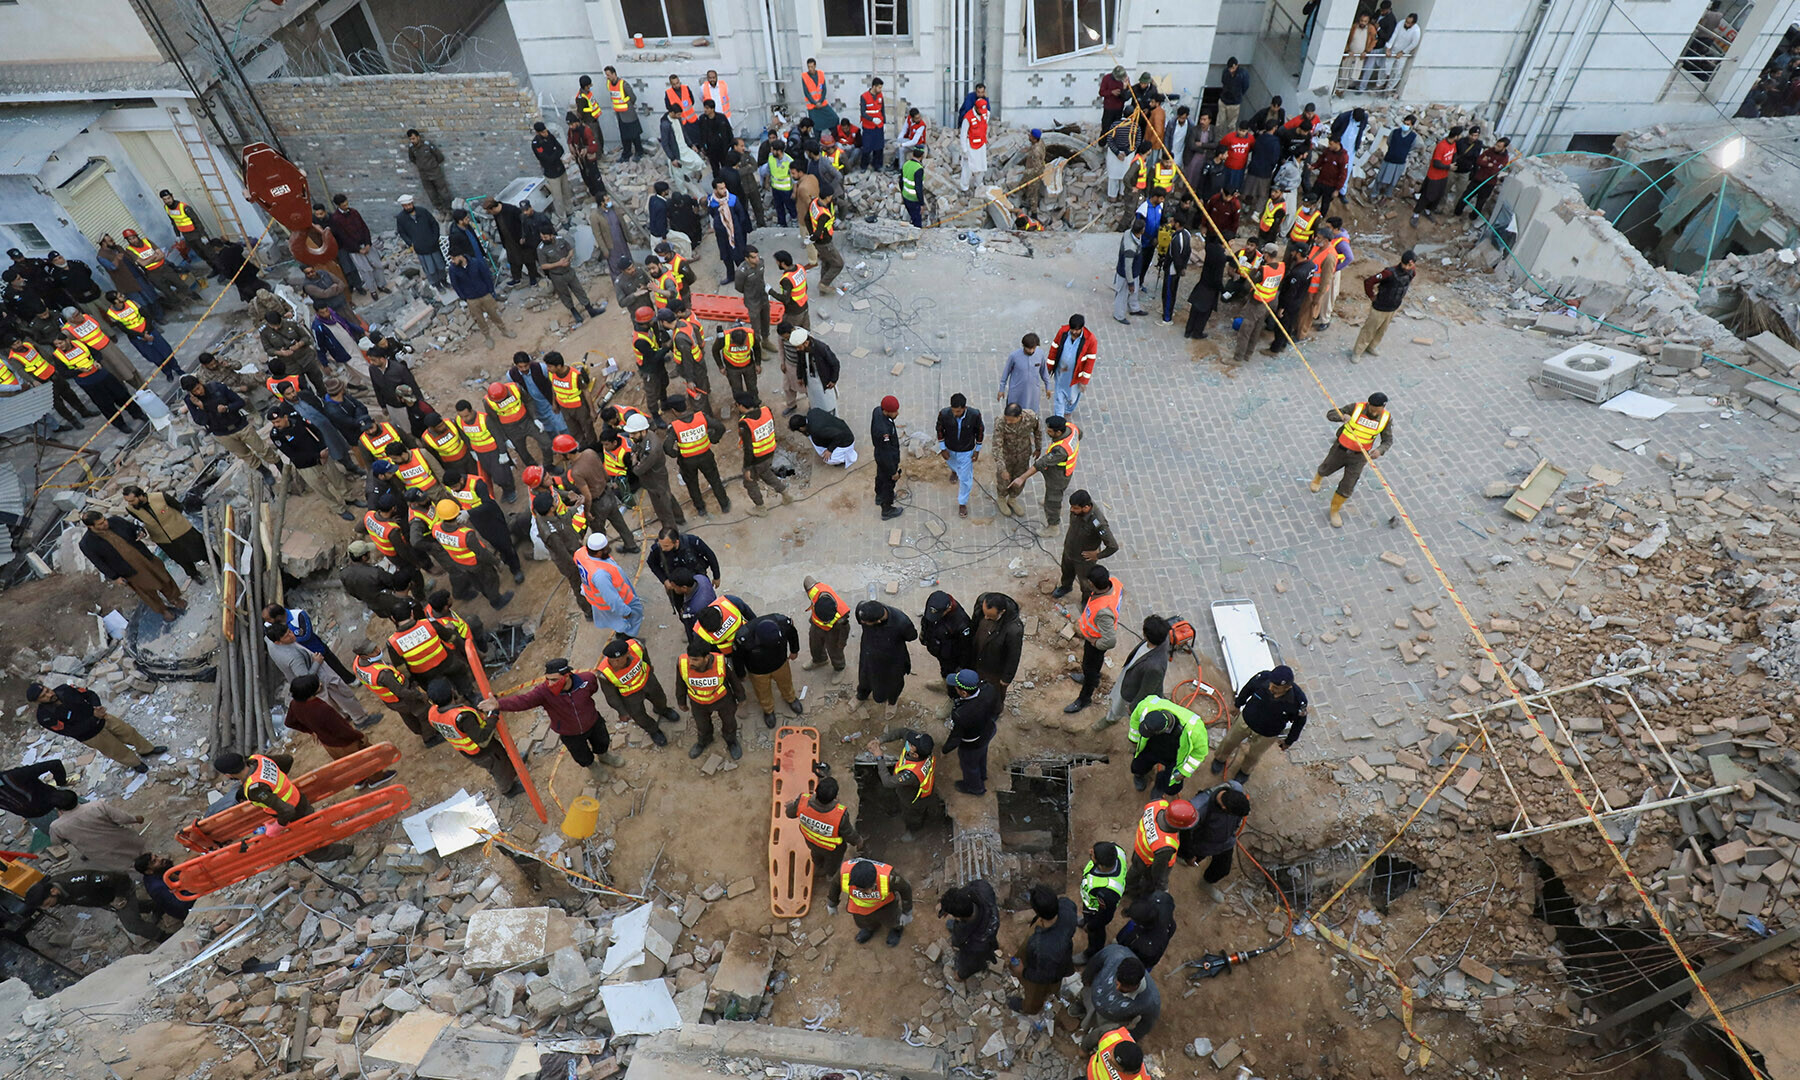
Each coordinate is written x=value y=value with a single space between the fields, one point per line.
x=349 y=134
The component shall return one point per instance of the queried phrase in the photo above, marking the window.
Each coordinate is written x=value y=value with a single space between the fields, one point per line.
x=24 y=233
x=664 y=18
x=1058 y=28
x=852 y=18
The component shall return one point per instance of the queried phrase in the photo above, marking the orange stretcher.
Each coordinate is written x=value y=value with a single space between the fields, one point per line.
x=716 y=308
x=501 y=733
x=236 y=822
x=790 y=857
x=216 y=869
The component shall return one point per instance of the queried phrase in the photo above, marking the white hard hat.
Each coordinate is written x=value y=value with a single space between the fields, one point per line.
x=636 y=423
x=404 y=199
x=597 y=542
x=799 y=337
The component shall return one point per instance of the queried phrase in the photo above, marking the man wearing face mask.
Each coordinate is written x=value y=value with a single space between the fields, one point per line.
x=1393 y=163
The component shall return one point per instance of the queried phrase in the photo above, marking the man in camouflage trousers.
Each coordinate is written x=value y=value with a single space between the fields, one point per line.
x=1017 y=439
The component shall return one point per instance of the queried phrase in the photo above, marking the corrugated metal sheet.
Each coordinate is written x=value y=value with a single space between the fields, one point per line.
x=23 y=410
x=29 y=134
x=12 y=506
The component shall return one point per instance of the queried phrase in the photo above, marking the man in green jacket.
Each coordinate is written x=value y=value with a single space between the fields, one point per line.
x=1168 y=743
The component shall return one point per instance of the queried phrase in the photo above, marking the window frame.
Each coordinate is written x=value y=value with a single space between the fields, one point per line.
x=868 y=22
x=14 y=230
x=1108 y=34
x=667 y=34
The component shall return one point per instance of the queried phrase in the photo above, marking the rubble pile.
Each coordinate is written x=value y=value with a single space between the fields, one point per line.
x=1756 y=293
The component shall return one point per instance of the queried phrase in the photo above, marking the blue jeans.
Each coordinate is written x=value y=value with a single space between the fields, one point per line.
x=784 y=206
x=874 y=142
x=962 y=463
x=437 y=271
x=1234 y=179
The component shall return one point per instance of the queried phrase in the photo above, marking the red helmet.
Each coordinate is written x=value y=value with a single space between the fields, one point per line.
x=563 y=444
x=644 y=314
x=534 y=474
x=1181 y=814
x=496 y=391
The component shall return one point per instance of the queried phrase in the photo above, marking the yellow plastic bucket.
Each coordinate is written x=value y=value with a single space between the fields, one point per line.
x=582 y=819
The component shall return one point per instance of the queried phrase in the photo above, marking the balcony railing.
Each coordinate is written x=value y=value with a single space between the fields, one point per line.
x=1376 y=74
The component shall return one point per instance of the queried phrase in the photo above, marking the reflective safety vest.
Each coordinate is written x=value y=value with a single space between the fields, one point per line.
x=264 y=772
x=77 y=359
x=128 y=316
x=385 y=435
x=511 y=408
x=872 y=115
x=369 y=671
x=621 y=101
x=7 y=376
x=668 y=285
x=1152 y=837
x=813 y=82
x=27 y=357
x=465 y=494
x=481 y=440
x=87 y=330
x=739 y=347
x=613 y=457
x=796 y=280
x=1360 y=431
x=1304 y=223
x=865 y=901
x=1273 y=209
x=812 y=597
x=691 y=437
x=695 y=335
x=1071 y=444
x=443 y=721
x=1190 y=751
x=820 y=219
x=925 y=772
x=762 y=432
x=684 y=98
x=1164 y=177
x=728 y=627
x=449 y=446
x=781 y=173
x=636 y=673
x=1320 y=255
x=1266 y=281
x=719 y=95
x=1088 y=625
x=821 y=827
x=1093 y=881
x=909 y=180
x=430 y=519
x=591 y=565
x=565 y=390
x=381 y=533
x=1143 y=172
x=289 y=383
x=978 y=123
x=147 y=254
x=452 y=621
x=415 y=471
x=420 y=646
x=456 y=544
x=644 y=342
x=705 y=685
x=585 y=105
x=180 y=216
x=1105 y=1066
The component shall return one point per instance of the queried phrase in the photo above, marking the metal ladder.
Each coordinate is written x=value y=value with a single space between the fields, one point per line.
x=199 y=151
x=884 y=39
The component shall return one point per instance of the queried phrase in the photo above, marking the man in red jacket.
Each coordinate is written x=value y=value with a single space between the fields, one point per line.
x=1070 y=364
x=567 y=697
x=1437 y=175
x=1330 y=172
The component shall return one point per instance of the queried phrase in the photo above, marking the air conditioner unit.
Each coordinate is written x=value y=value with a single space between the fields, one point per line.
x=1592 y=372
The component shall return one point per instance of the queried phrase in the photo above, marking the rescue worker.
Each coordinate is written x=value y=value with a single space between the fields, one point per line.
x=821 y=225
x=826 y=824
x=756 y=434
x=482 y=434
x=722 y=622
x=143 y=335
x=472 y=732
x=624 y=109
x=445 y=442
x=267 y=784
x=387 y=531
x=613 y=603
x=189 y=229
x=1097 y=628
x=511 y=416
x=1117 y=1056
x=692 y=434
x=26 y=357
x=474 y=566
x=567 y=698
x=1102 y=884
x=650 y=468
x=102 y=387
x=1155 y=845
x=390 y=685
x=1056 y=465
x=912 y=777
x=163 y=277
x=416 y=470
x=1265 y=274
x=561 y=537
x=429 y=651
x=571 y=388
x=870 y=890
x=477 y=501
x=790 y=289
x=687 y=347
x=1168 y=744
x=828 y=629
x=739 y=356
x=629 y=682
x=1354 y=447
x=710 y=689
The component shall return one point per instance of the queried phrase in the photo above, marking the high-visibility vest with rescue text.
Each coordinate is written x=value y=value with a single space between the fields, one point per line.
x=265 y=773
x=420 y=647
x=866 y=901
x=812 y=597
x=443 y=721
x=822 y=828
x=1360 y=430
x=636 y=672
x=369 y=672
x=924 y=771
x=1151 y=837
x=706 y=681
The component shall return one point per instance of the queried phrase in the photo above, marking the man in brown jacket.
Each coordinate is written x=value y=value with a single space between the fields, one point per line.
x=168 y=528
x=586 y=473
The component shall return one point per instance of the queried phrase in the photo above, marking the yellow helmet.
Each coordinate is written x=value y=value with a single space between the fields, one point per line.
x=447 y=509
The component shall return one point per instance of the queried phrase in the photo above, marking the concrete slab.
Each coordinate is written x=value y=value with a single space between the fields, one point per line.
x=510 y=937
x=642 y=1008
x=475 y=1054
x=743 y=974
x=796 y=1045
x=409 y=1040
